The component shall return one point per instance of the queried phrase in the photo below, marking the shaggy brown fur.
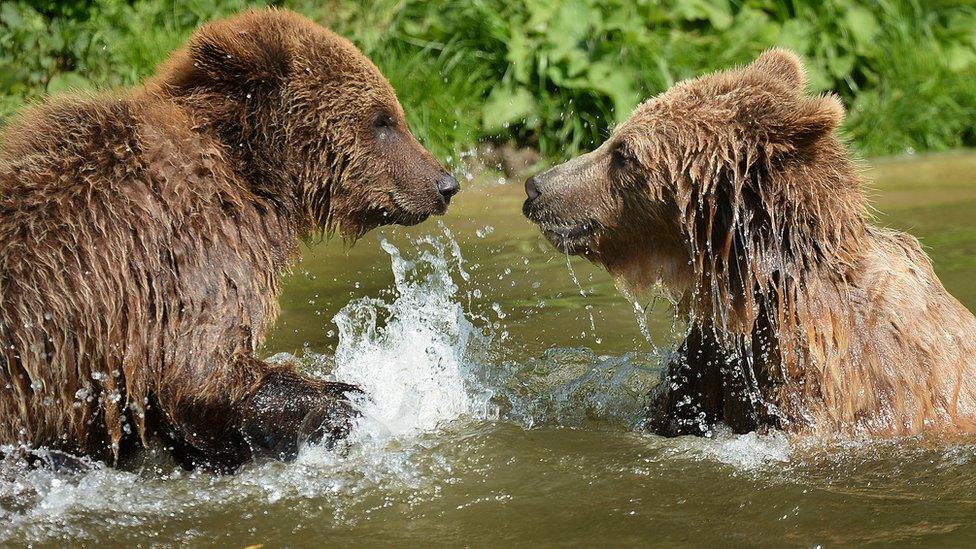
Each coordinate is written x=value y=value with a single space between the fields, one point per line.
x=732 y=193
x=143 y=236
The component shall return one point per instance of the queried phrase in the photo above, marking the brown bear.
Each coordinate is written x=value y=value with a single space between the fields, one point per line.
x=143 y=236
x=732 y=192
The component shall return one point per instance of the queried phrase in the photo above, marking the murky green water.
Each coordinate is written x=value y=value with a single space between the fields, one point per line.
x=503 y=413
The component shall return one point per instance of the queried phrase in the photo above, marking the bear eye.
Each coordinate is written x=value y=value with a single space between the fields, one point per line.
x=621 y=157
x=383 y=122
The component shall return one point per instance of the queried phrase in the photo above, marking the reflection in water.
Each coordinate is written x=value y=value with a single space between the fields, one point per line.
x=502 y=405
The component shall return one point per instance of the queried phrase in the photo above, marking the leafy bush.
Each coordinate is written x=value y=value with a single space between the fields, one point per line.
x=50 y=46
x=553 y=74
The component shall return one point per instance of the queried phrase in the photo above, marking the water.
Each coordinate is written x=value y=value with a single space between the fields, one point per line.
x=502 y=410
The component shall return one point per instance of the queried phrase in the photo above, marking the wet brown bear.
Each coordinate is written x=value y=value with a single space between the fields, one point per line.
x=142 y=237
x=732 y=192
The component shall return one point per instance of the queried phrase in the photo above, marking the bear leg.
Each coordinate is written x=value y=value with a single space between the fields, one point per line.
x=268 y=412
x=289 y=410
x=688 y=401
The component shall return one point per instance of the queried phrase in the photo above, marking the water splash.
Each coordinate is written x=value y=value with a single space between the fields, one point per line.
x=746 y=452
x=640 y=315
x=414 y=356
x=433 y=378
x=572 y=273
x=569 y=386
x=582 y=293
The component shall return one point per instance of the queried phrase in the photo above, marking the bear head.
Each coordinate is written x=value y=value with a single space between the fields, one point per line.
x=310 y=122
x=710 y=188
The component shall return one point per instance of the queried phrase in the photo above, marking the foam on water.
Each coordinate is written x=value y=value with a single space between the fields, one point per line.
x=745 y=452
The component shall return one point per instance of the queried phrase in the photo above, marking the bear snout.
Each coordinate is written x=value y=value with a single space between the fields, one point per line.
x=532 y=189
x=530 y=208
x=447 y=187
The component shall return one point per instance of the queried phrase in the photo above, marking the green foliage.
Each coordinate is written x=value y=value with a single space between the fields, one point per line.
x=554 y=74
x=56 y=45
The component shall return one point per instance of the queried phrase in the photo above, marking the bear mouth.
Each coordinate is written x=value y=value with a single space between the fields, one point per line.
x=410 y=219
x=573 y=239
x=404 y=213
x=407 y=218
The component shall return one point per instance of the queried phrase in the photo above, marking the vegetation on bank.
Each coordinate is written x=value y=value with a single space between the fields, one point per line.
x=550 y=74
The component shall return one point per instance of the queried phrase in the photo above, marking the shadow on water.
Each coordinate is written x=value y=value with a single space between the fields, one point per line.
x=503 y=394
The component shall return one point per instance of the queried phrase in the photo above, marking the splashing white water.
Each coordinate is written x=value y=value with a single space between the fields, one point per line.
x=424 y=363
x=582 y=293
x=413 y=355
x=745 y=452
x=416 y=356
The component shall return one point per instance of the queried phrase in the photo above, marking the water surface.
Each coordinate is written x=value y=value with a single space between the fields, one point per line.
x=506 y=386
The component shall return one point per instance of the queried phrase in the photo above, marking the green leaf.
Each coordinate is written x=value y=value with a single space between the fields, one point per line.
x=795 y=34
x=519 y=55
x=10 y=16
x=541 y=12
x=862 y=25
x=716 y=12
x=506 y=106
x=960 y=57
x=569 y=28
x=817 y=79
x=617 y=83
x=67 y=81
x=840 y=66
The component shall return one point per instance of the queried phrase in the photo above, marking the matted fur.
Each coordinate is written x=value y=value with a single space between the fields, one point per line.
x=143 y=237
x=732 y=191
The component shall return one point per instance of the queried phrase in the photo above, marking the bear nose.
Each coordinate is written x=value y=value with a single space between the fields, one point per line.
x=532 y=188
x=448 y=187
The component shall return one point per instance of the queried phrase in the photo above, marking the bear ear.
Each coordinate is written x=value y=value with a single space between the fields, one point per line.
x=782 y=64
x=814 y=118
x=235 y=52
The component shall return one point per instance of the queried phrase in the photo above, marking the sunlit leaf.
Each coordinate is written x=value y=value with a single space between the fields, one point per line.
x=795 y=34
x=569 y=28
x=716 y=12
x=961 y=57
x=862 y=25
x=67 y=81
x=505 y=106
x=618 y=84
x=519 y=55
